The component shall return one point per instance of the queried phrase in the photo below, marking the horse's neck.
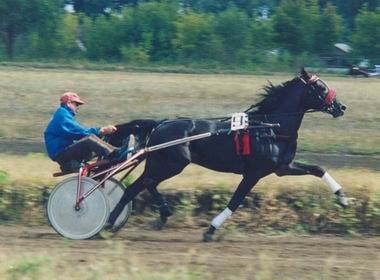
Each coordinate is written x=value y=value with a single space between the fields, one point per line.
x=289 y=114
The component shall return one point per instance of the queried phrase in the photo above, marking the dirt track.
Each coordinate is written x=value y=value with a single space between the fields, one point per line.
x=236 y=256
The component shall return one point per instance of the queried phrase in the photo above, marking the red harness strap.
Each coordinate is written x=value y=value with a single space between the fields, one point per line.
x=246 y=144
x=242 y=143
x=330 y=96
x=331 y=93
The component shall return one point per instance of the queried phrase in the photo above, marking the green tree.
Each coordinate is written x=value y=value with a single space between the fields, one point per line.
x=208 y=6
x=349 y=9
x=366 y=36
x=69 y=34
x=56 y=38
x=121 y=3
x=262 y=35
x=101 y=37
x=232 y=27
x=295 y=23
x=150 y=27
x=217 y=6
x=92 y=8
x=43 y=42
x=195 y=38
x=329 y=30
x=18 y=17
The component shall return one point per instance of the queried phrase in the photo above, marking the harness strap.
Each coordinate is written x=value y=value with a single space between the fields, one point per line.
x=246 y=143
x=242 y=143
x=237 y=143
x=330 y=96
x=277 y=137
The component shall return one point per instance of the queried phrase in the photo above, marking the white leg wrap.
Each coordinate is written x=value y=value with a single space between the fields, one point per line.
x=218 y=221
x=334 y=186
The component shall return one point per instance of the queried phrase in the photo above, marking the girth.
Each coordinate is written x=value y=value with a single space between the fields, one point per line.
x=243 y=138
x=277 y=137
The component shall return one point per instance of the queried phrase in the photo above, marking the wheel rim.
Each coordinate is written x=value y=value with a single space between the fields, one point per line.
x=77 y=224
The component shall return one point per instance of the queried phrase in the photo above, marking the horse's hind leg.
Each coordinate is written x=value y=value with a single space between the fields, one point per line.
x=133 y=190
x=130 y=192
x=144 y=181
x=155 y=172
x=297 y=168
x=176 y=159
x=161 y=203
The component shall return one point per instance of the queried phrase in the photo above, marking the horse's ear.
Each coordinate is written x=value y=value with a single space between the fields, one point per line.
x=303 y=73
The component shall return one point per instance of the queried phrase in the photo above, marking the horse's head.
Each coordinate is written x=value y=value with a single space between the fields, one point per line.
x=320 y=97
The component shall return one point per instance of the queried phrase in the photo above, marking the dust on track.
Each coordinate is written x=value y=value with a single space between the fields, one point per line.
x=237 y=255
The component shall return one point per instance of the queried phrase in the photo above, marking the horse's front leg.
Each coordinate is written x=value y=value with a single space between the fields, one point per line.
x=297 y=168
x=248 y=182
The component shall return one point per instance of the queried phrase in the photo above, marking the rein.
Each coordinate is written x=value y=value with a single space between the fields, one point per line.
x=227 y=118
x=280 y=114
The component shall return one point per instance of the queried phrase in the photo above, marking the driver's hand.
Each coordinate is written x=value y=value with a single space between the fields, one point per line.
x=107 y=130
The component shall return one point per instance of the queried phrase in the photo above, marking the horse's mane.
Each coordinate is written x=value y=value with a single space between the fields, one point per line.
x=271 y=97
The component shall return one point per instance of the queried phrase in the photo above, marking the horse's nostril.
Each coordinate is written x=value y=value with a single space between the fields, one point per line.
x=343 y=108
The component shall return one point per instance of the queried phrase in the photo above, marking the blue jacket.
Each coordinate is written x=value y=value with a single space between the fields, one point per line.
x=63 y=130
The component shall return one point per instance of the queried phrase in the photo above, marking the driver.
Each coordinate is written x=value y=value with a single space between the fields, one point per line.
x=68 y=143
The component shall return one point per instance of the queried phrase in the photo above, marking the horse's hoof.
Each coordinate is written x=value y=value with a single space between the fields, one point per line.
x=165 y=210
x=158 y=224
x=163 y=219
x=342 y=199
x=105 y=235
x=207 y=237
x=109 y=227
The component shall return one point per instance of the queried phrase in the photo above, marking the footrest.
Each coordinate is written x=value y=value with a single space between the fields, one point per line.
x=61 y=173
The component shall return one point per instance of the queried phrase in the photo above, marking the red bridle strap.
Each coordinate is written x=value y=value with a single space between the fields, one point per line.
x=331 y=93
x=330 y=96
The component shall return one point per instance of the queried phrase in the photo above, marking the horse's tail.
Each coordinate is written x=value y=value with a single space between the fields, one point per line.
x=141 y=130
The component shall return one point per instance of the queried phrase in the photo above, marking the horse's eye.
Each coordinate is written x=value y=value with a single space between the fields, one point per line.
x=323 y=87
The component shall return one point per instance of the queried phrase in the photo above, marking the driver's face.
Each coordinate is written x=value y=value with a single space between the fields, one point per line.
x=73 y=106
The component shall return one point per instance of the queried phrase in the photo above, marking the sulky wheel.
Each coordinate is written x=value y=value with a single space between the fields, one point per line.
x=114 y=190
x=77 y=224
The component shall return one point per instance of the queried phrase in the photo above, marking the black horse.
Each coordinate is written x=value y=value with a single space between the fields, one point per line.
x=269 y=150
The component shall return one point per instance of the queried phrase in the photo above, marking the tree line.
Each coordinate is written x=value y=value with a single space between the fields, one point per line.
x=250 y=32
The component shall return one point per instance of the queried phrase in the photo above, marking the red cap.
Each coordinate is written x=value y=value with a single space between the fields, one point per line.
x=70 y=96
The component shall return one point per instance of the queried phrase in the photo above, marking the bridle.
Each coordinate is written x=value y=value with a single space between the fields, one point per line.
x=331 y=93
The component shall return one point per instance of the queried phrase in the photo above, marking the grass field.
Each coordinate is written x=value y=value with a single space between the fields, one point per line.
x=28 y=97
